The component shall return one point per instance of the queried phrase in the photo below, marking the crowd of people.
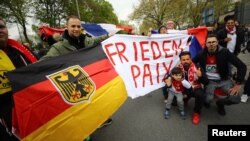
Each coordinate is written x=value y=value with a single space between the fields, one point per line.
x=216 y=71
x=216 y=67
x=219 y=70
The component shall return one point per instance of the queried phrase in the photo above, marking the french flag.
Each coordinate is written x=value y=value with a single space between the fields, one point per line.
x=101 y=29
x=200 y=33
x=197 y=41
x=198 y=38
x=194 y=47
x=90 y=28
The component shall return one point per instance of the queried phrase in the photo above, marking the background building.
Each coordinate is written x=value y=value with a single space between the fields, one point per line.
x=242 y=11
x=208 y=16
x=240 y=8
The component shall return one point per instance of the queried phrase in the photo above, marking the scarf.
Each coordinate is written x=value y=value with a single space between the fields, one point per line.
x=191 y=75
x=231 y=34
x=78 y=43
x=231 y=31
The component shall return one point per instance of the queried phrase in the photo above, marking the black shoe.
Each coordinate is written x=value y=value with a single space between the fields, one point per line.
x=220 y=109
x=106 y=123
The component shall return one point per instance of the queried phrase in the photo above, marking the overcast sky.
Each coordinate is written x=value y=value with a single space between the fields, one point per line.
x=123 y=8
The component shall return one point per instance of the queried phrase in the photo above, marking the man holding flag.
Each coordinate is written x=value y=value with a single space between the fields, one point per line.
x=73 y=39
x=69 y=96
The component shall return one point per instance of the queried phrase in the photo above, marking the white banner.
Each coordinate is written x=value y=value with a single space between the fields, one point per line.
x=144 y=61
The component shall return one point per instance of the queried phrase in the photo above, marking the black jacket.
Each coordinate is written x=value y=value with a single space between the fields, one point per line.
x=223 y=57
x=222 y=34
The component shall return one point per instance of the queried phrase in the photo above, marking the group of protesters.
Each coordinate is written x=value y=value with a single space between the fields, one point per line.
x=199 y=77
x=215 y=74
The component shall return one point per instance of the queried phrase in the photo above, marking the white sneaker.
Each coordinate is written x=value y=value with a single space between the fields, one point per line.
x=244 y=98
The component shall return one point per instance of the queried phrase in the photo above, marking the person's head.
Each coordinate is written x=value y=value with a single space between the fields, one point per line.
x=237 y=23
x=211 y=43
x=177 y=74
x=229 y=21
x=185 y=58
x=170 y=24
x=162 y=29
x=3 y=33
x=73 y=25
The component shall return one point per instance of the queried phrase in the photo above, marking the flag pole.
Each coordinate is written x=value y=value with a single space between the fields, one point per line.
x=78 y=12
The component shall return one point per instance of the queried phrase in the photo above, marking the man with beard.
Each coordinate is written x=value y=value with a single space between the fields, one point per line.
x=195 y=77
x=214 y=59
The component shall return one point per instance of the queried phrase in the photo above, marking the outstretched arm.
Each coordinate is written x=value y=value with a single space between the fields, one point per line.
x=94 y=41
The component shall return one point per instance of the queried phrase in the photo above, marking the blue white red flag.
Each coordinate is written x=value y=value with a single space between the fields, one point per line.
x=101 y=29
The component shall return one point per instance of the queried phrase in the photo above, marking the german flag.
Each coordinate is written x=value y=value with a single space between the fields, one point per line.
x=65 y=98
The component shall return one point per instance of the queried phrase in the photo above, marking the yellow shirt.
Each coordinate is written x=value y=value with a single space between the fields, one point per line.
x=5 y=66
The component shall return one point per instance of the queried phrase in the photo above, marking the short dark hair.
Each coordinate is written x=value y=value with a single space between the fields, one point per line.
x=163 y=26
x=183 y=53
x=211 y=35
x=229 y=17
x=176 y=70
x=71 y=17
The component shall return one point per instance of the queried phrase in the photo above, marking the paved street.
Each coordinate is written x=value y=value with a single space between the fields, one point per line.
x=142 y=119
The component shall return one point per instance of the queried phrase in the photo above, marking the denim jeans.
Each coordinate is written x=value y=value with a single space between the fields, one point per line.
x=224 y=85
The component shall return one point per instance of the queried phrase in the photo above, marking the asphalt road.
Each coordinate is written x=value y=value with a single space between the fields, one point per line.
x=142 y=119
